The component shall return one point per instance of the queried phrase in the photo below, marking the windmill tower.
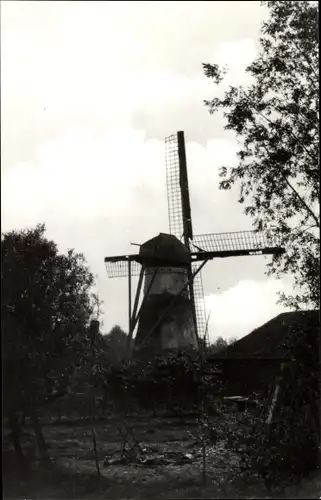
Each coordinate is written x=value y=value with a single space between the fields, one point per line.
x=172 y=312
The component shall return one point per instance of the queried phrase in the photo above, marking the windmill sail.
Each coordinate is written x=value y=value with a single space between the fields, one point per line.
x=180 y=220
x=219 y=244
x=179 y=208
x=183 y=181
x=117 y=267
x=235 y=243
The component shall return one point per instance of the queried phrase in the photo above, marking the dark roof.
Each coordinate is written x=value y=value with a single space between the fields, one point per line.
x=165 y=249
x=276 y=338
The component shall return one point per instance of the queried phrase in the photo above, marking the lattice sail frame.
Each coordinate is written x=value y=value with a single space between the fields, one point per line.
x=174 y=196
x=119 y=268
x=233 y=241
x=242 y=240
x=176 y=220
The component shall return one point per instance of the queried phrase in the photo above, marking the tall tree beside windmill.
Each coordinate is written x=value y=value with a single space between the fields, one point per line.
x=171 y=314
x=277 y=122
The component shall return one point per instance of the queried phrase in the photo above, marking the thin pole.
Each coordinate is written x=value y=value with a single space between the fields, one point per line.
x=94 y=327
x=203 y=415
x=206 y=329
x=129 y=298
x=203 y=401
x=145 y=298
x=192 y=300
x=139 y=287
x=131 y=332
x=319 y=388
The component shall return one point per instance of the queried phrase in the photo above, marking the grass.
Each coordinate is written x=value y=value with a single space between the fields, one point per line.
x=72 y=473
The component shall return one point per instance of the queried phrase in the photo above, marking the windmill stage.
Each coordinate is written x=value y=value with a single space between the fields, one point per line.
x=172 y=313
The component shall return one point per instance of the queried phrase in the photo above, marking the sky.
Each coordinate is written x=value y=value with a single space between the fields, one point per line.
x=89 y=91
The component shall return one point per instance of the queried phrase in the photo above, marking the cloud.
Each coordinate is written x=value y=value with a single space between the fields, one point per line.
x=99 y=193
x=81 y=176
x=89 y=91
x=248 y=305
x=103 y=65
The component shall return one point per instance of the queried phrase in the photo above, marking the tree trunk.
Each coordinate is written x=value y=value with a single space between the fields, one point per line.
x=154 y=410
x=40 y=440
x=15 y=428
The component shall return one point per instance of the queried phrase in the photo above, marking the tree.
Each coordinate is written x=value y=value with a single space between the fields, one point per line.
x=171 y=381
x=47 y=304
x=276 y=121
x=116 y=342
x=220 y=344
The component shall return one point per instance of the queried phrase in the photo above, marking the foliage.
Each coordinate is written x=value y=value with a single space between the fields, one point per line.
x=297 y=418
x=116 y=342
x=219 y=344
x=47 y=304
x=168 y=382
x=276 y=121
x=285 y=450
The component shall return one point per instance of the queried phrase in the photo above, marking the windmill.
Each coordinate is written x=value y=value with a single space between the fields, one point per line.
x=172 y=312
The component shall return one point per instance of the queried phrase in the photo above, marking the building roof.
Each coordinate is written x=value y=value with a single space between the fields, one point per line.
x=165 y=249
x=275 y=339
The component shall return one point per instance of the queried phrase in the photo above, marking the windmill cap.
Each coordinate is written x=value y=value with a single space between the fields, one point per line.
x=164 y=249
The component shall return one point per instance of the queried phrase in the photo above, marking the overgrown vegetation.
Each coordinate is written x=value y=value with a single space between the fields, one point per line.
x=58 y=367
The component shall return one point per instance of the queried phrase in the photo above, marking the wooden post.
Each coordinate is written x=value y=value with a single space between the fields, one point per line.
x=94 y=329
x=129 y=298
x=40 y=440
x=146 y=295
x=133 y=316
x=203 y=415
x=15 y=433
x=139 y=287
x=192 y=301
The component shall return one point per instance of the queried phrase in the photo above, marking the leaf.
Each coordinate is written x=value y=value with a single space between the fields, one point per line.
x=276 y=119
x=46 y=308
